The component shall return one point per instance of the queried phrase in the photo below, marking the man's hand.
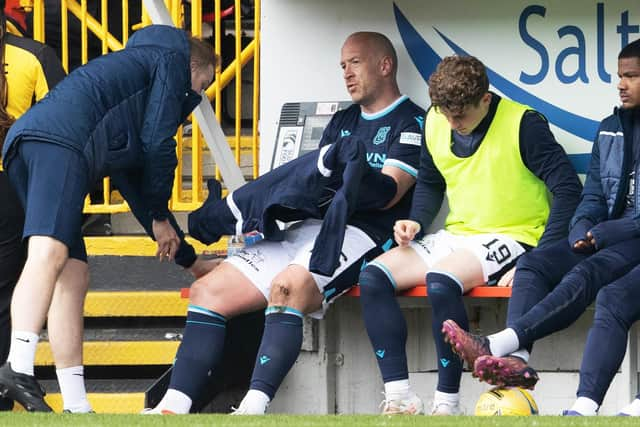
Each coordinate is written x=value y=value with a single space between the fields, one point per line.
x=579 y=238
x=404 y=231
x=585 y=246
x=613 y=231
x=506 y=280
x=166 y=238
x=203 y=266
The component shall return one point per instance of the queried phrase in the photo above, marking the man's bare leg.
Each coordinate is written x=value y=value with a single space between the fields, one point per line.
x=65 y=327
x=29 y=306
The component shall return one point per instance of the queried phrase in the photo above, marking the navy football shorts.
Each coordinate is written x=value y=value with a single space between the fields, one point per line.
x=51 y=182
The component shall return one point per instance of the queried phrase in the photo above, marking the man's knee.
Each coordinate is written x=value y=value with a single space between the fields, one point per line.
x=376 y=281
x=48 y=251
x=283 y=291
x=442 y=287
x=612 y=305
x=295 y=291
x=532 y=261
x=202 y=291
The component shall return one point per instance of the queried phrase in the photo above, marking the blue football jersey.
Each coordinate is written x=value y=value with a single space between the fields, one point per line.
x=392 y=137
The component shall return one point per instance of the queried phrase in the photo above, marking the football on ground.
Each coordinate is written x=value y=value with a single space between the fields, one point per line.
x=506 y=401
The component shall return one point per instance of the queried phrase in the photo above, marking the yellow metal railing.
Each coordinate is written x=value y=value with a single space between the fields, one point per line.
x=193 y=156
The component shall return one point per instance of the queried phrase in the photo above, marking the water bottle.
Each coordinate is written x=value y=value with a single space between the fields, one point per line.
x=234 y=245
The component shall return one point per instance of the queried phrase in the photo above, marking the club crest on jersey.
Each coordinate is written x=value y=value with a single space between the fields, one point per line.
x=381 y=136
x=345 y=132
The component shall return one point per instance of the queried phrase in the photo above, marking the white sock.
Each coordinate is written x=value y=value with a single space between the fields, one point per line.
x=22 y=353
x=397 y=390
x=74 y=394
x=255 y=402
x=585 y=406
x=522 y=354
x=175 y=401
x=632 y=408
x=504 y=342
x=450 y=398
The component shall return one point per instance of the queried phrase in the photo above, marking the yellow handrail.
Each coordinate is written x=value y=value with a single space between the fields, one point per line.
x=92 y=24
x=229 y=73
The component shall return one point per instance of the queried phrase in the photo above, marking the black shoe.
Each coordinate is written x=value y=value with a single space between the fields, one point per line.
x=6 y=404
x=22 y=388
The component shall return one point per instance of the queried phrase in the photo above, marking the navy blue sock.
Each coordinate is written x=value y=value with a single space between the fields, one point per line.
x=445 y=294
x=279 y=349
x=200 y=351
x=384 y=320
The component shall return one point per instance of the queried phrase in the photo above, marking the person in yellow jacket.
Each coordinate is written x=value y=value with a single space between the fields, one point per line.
x=30 y=70
x=496 y=160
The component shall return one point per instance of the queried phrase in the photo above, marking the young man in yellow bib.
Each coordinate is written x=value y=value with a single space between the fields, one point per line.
x=497 y=161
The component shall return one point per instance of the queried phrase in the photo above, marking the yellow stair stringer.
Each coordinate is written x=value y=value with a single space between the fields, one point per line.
x=117 y=353
x=102 y=403
x=135 y=304
x=140 y=246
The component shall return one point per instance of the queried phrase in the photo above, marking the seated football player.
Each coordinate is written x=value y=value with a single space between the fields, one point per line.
x=276 y=275
x=554 y=285
x=496 y=160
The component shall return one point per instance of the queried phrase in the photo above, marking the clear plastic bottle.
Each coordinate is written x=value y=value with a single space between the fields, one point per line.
x=234 y=245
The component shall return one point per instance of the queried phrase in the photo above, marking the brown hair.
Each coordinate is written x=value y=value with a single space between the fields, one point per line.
x=6 y=120
x=201 y=53
x=459 y=81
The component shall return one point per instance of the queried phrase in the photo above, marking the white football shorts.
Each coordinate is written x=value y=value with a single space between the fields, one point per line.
x=261 y=262
x=495 y=252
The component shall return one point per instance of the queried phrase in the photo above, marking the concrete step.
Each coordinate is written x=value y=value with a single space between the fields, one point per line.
x=142 y=273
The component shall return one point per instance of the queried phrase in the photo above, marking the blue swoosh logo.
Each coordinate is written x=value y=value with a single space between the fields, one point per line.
x=426 y=60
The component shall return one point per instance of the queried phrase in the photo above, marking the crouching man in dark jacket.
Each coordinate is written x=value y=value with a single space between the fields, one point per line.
x=117 y=116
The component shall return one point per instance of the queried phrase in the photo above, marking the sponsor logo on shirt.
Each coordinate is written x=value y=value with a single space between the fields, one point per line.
x=381 y=136
x=376 y=160
x=410 y=138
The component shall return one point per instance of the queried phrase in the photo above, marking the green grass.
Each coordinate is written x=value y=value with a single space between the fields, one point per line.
x=102 y=420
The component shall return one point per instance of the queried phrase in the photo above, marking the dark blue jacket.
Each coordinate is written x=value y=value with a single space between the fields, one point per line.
x=607 y=183
x=121 y=111
x=329 y=183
